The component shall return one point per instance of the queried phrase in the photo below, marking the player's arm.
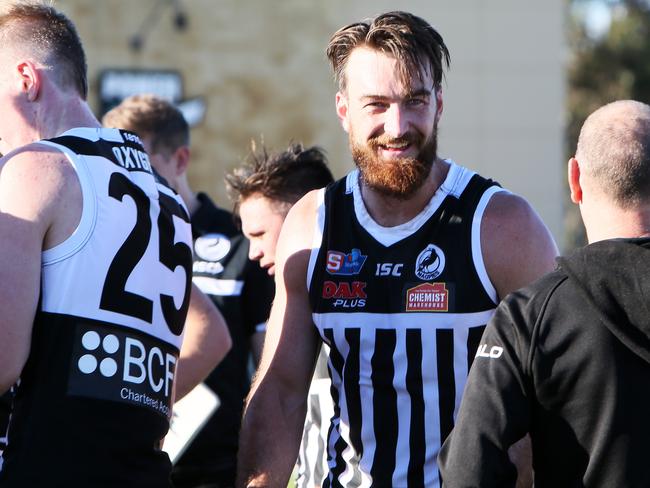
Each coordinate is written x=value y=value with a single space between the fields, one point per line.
x=517 y=247
x=275 y=411
x=40 y=206
x=493 y=414
x=205 y=344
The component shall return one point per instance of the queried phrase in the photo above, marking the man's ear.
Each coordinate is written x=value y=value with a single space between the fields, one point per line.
x=342 y=110
x=30 y=80
x=182 y=158
x=575 y=188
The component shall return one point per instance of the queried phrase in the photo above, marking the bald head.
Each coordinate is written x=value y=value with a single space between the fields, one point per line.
x=614 y=151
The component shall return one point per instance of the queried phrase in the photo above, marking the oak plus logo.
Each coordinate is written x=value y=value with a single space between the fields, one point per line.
x=117 y=364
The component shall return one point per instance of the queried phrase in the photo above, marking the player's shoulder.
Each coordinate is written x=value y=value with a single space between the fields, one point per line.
x=38 y=166
x=297 y=236
x=506 y=208
x=305 y=209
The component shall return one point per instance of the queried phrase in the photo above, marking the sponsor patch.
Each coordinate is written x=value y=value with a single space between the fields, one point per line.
x=389 y=269
x=430 y=263
x=212 y=247
x=110 y=363
x=427 y=297
x=339 y=263
x=344 y=294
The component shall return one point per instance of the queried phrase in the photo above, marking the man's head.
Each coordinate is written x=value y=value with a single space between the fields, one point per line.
x=41 y=55
x=162 y=128
x=611 y=167
x=389 y=72
x=614 y=153
x=266 y=187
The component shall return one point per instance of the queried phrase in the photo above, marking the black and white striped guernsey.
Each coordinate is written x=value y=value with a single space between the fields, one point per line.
x=95 y=397
x=402 y=310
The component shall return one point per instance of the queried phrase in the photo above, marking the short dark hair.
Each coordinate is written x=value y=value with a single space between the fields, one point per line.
x=283 y=177
x=614 y=148
x=52 y=37
x=151 y=117
x=404 y=36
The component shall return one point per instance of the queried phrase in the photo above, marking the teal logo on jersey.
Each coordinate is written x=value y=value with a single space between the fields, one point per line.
x=339 y=263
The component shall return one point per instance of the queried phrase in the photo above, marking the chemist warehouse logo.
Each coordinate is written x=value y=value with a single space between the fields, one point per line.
x=109 y=364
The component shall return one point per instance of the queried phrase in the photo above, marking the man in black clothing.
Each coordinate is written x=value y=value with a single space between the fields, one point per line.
x=566 y=359
x=222 y=270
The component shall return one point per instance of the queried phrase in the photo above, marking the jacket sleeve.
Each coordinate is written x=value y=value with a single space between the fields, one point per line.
x=494 y=412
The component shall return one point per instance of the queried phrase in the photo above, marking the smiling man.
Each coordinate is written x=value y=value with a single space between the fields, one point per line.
x=397 y=268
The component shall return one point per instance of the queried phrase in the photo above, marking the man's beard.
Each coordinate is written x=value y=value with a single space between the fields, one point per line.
x=399 y=177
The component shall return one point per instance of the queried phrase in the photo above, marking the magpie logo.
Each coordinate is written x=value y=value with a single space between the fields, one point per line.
x=430 y=263
x=212 y=247
x=89 y=362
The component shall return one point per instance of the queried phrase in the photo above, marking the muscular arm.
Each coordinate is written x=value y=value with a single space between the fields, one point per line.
x=40 y=206
x=517 y=246
x=275 y=411
x=205 y=344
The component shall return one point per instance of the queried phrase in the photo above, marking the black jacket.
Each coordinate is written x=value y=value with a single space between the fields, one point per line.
x=566 y=359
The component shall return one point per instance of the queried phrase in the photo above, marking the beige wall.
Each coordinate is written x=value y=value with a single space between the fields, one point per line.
x=261 y=67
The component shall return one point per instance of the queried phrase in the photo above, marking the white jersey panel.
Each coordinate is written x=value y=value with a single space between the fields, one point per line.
x=106 y=230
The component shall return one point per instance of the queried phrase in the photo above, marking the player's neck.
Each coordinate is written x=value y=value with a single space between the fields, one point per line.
x=73 y=113
x=390 y=211
x=188 y=196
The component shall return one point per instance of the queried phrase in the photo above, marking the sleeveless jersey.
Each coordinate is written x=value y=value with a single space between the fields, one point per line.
x=402 y=310
x=95 y=397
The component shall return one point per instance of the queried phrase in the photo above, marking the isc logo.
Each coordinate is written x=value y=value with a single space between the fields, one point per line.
x=389 y=269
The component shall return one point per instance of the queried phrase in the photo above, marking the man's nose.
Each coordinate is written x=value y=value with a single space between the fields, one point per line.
x=254 y=252
x=395 y=122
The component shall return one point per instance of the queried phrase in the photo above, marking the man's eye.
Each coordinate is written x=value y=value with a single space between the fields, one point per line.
x=414 y=102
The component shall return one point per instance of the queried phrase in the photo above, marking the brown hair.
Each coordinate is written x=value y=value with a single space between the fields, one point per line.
x=404 y=36
x=50 y=36
x=614 y=149
x=283 y=177
x=151 y=117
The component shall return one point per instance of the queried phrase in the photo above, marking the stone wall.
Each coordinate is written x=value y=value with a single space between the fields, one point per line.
x=260 y=65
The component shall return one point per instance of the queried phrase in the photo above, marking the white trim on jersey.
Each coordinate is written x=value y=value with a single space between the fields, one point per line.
x=79 y=265
x=477 y=251
x=218 y=287
x=454 y=184
x=88 y=219
x=318 y=234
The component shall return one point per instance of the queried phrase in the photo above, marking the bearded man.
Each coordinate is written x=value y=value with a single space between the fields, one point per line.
x=397 y=268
